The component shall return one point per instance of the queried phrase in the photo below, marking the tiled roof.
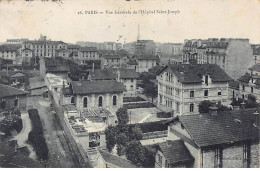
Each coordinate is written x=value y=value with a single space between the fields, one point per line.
x=73 y=46
x=175 y=151
x=222 y=128
x=188 y=73
x=109 y=74
x=6 y=91
x=115 y=160
x=9 y=48
x=58 y=68
x=93 y=87
x=88 y=49
x=112 y=56
x=255 y=68
x=145 y=57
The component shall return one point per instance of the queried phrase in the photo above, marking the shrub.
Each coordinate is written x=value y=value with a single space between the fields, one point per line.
x=36 y=120
x=139 y=105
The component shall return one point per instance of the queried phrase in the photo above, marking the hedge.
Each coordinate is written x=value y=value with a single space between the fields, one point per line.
x=133 y=99
x=36 y=137
x=139 y=105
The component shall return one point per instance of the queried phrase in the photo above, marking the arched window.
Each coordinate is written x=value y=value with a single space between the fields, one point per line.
x=100 y=101
x=114 y=100
x=85 y=102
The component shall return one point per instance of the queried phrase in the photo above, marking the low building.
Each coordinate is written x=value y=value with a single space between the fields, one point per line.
x=224 y=139
x=182 y=86
x=13 y=77
x=10 y=52
x=112 y=60
x=11 y=97
x=94 y=94
x=173 y=154
x=108 y=160
x=87 y=54
x=126 y=76
x=250 y=83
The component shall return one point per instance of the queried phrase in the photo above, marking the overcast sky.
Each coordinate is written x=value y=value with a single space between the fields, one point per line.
x=197 y=19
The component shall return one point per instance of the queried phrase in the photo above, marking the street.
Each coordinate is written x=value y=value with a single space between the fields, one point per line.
x=61 y=150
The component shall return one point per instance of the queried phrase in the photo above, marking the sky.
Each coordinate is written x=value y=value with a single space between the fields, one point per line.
x=195 y=19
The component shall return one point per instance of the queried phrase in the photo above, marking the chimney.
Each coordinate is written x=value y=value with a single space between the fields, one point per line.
x=213 y=110
x=118 y=75
x=256 y=119
x=243 y=105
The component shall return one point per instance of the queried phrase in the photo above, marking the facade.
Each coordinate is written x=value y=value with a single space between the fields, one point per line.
x=170 y=49
x=16 y=41
x=145 y=62
x=87 y=54
x=227 y=139
x=256 y=54
x=146 y=47
x=182 y=87
x=107 y=94
x=112 y=60
x=13 y=77
x=229 y=54
x=173 y=154
x=250 y=83
x=11 y=97
x=10 y=52
x=126 y=76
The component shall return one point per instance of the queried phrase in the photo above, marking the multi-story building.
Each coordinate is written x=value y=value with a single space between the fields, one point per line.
x=250 y=83
x=126 y=76
x=16 y=41
x=146 y=47
x=219 y=139
x=182 y=87
x=145 y=62
x=256 y=54
x=129 y=47
x=229 y=54
x=170 y=49
x=86 y=54
x=72 y=48
x=10 y=52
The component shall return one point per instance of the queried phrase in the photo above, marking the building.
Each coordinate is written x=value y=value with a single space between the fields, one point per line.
x=145 y=47
x=229 y=54
x=16 y=41
x=112 y=60
x=108 y=160
x=126 y=76
x=256 y=54
x=11 y=97
x=10 y=52
x=226 y=139
x=13 y=78
x=57 y=66
x=73 y=48
x=94 y=94
x=129 y=47
x=182 y=87
x=170 y=49
x=145 y=62
x=173 y=154
x=250 y=83
x=132 y=64
x=86 y=54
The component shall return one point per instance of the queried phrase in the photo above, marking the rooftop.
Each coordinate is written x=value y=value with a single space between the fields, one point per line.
x=152 y=126
x=145 y=57
x=175 y=151
x=9 y=48
x=101 y=86
x=222 y=128
x=6 y=91
x=255 y=68
x=187 y=73
x=107 y=74
x=88 y=49
x=115 y=160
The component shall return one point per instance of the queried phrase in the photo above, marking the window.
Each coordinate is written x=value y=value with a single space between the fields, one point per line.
x=246 y=155
x=16 y=102
x=243 y=87
x=191 y=107
x=72 y=100
x=3 y=104
x=85 y=102
x=243 y=96
x=132 y=80
x=252 y=89
x=206 y=92
x=206 y=79
x=218 y=158
x=192 y=93
x=114 y=100
x=219 y=93
x=100 y=101
x=159 y=159
x=177 y=106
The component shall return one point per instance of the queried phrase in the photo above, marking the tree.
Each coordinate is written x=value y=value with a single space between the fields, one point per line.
x=146 y=77
x=135 y=152
x=110 y=133
x=251 y=102
x=136 y=133
x=204 y=106
x=122 y=116
x=150 y=90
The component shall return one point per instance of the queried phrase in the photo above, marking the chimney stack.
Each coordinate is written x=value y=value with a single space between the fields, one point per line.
x=256 y=119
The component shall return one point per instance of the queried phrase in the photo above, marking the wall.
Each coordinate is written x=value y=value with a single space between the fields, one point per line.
x=9 y=101
x=130 y=91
